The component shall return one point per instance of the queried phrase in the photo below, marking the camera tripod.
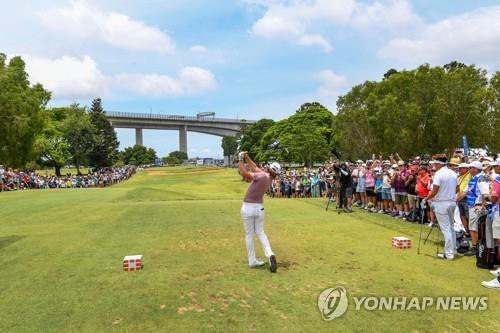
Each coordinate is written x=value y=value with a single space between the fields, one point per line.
x=434 y=226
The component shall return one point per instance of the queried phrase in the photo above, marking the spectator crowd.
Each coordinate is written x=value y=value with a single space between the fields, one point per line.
x=402 y=189
x=12 y=180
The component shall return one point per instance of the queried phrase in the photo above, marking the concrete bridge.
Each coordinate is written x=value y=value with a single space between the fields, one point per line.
x=200 y=124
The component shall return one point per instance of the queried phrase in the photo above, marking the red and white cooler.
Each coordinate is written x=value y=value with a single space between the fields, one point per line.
x=133 y=263
x=401 y=242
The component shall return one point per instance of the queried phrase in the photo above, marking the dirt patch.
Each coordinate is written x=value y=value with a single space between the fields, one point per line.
x=286 y=265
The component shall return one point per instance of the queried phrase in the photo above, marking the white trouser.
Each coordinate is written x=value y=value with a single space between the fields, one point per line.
x=445 y=213
x=253 y=222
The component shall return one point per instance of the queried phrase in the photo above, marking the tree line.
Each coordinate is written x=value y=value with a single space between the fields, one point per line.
x=412 y=112
x=34 y=136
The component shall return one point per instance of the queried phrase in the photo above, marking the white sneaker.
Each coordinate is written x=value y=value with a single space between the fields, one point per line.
x=381 y=211
x=493 y=284
x=496 y=272
x=444 y=256
x=257 y=263
x=430 y=224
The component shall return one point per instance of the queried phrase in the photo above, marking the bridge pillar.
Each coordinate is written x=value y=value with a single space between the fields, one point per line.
x=183 y=139
x=138 y=136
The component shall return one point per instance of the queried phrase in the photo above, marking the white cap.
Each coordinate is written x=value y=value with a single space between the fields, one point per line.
x=463 y=165
x=437 y=162
x=275 y=168
x=394 y=166
x=495 y=163
x=476 y=165
x=359 y=161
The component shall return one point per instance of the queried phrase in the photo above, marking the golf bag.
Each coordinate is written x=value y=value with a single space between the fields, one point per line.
x=486 y=251
x=462 y=242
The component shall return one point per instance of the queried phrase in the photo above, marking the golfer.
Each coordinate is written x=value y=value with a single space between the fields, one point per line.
x=252 y=210
x=443 y=196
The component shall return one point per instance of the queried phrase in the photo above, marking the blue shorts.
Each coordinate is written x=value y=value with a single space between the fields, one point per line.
x=386 y=194
x=361 y=186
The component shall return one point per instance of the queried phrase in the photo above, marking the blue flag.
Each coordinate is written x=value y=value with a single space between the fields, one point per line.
x=466 y=146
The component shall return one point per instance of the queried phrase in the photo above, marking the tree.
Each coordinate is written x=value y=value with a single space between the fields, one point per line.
x=138 y=155
x=21 y=113
x=282 y=140
x=51 y=146
x=307 y=145
x=229 y=146
x=171 y=160
x=494 y=111
x=180 y=155
x=79 y=133
x=251 y=136
x=420 y=111
x=105 y=148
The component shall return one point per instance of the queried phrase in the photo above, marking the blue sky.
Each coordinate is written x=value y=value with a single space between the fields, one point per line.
x=243 y=58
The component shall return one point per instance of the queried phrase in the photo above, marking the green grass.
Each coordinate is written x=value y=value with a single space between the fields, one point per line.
x=61 y=252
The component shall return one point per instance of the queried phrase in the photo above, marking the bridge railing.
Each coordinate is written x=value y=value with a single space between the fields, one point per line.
x=151 y=116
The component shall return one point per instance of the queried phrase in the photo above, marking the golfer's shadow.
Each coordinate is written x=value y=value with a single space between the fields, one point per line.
x=9 y=240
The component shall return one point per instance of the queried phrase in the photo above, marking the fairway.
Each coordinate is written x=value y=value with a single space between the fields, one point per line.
x=61 y=258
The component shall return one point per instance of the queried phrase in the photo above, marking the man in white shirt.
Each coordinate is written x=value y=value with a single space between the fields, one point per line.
x=443 y=196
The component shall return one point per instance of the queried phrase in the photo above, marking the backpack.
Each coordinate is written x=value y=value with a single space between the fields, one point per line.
x=462 y=243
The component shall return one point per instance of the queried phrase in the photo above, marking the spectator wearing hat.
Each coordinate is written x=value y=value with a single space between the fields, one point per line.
x=457 y=158
x=477 y=191
x=495 y=170
x=463 y=179
x=443 y=196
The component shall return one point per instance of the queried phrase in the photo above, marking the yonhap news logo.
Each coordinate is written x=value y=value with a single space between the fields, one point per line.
x=333 y=303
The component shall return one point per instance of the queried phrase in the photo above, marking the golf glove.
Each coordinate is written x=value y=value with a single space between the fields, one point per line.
x=423 y=204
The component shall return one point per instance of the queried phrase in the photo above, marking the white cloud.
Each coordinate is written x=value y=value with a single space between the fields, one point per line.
x=198 y=49
x=67 y=77
x=84 y=21
x=72 y=78
x=331 y=83
x=472 y=37
x=293 y=20
x=191 y=81
x=311 y=40
x=398 y=14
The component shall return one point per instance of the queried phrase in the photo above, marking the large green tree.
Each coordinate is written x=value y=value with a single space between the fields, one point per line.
x=285 y=139
x=21 y=113
x=229 y=146
x=425 y=110
x=138 y=155
x=51 y=145
x=494 y=112
x=79 y=133
x=105 y=148
x=252 y=134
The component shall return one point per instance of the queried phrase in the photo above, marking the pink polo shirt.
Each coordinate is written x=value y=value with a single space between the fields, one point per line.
x=260 y=183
